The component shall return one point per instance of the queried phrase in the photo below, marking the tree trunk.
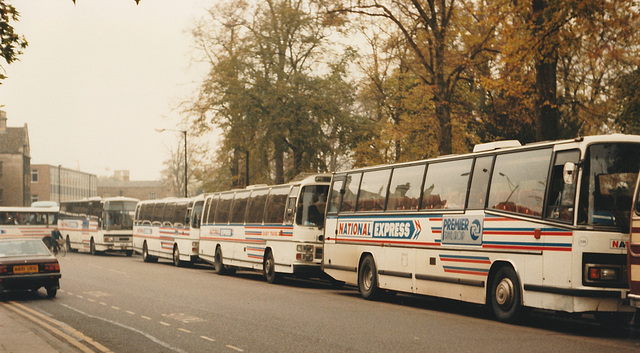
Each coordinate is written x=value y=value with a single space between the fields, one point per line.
x=547 y=113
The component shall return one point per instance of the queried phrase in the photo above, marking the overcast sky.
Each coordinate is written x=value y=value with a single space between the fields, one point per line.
x=99 y=77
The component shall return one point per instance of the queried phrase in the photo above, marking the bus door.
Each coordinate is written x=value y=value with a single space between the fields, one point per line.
x=633 y=250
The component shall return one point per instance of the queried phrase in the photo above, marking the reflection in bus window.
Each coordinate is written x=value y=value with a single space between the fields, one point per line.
x=334 y=202
x=404 y=192
x=519 y=182
x=350 y=192
x=223 y=209
x=480 y=183
x=276 y=202
x=373 y=190
x=255 y=210
x=445 y=186
x=239 y=207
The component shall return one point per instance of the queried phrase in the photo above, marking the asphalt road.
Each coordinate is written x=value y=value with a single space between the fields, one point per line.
x=126 y=305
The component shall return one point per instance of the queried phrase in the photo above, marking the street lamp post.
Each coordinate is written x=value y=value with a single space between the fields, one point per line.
x=184 y=132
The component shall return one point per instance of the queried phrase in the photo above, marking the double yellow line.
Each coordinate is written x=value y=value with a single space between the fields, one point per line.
x=58 y=328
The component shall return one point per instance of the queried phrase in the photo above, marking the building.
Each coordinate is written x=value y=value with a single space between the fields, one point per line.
x=56 y=183
x=120 y=185
x=15 y=164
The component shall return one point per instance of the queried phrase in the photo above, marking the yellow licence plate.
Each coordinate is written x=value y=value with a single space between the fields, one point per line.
x=25 y=268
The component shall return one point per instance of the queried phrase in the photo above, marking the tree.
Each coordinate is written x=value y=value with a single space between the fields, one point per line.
x=275 y=90
x=572 y=52
x=445 y=39
x=173 y=173
x=11 y=44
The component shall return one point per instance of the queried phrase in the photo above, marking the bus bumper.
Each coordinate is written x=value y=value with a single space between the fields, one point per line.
x=634 y=300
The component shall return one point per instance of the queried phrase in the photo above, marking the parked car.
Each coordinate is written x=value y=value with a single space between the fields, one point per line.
x=27 y=264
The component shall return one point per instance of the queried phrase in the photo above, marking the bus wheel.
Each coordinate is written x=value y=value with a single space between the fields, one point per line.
x=269 y=268
x=145 y=254
x=69 y=244
x=92 y=247
x=176 y=256
x=368 y=279
x=218 y=266
x=506 y=301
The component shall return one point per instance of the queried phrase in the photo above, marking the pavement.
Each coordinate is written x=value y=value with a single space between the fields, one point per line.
x=18 y=334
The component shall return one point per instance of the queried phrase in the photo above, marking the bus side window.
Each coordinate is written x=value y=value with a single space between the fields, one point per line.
x=519 y=182
x=276 y=203
x=352 y=184
x=446 y=184
x=561 y=197
x=405 y=189
x=480 y=183
x=373 y=190
x=334 y=198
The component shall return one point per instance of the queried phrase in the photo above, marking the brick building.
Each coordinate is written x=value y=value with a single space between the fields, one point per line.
x=15 y=164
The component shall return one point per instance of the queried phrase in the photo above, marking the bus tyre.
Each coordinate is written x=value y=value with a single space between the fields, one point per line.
x=68 y=244
x=218 y=266
x=269 y=268
x=368 y=279
x=145 y=254
x=176 y=256
x=92 y=247
x=506 y=298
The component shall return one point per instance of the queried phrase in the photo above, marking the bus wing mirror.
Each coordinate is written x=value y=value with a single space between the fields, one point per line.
x=568 y=173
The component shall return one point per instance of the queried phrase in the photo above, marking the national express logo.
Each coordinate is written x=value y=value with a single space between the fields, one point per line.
x=381 y=229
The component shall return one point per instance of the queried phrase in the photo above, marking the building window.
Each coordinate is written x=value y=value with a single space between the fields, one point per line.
x=34 y=176
x=152 y=195
x=1 y=169
x=34 y=198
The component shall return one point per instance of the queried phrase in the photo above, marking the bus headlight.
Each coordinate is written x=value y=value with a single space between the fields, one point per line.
x=108 y=239
x=304 y=248
x=304 y=252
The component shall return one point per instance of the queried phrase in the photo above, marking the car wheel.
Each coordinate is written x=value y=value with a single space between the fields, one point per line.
x=51 y=292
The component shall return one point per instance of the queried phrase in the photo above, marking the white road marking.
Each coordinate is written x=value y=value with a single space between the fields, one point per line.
x=114 y=307
x=184 y=330
x=145 y=317
x=118 y=272
x=207 y=338
x=164 y=323
x=130 y=312
x=164 y=344
x=235 y=348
